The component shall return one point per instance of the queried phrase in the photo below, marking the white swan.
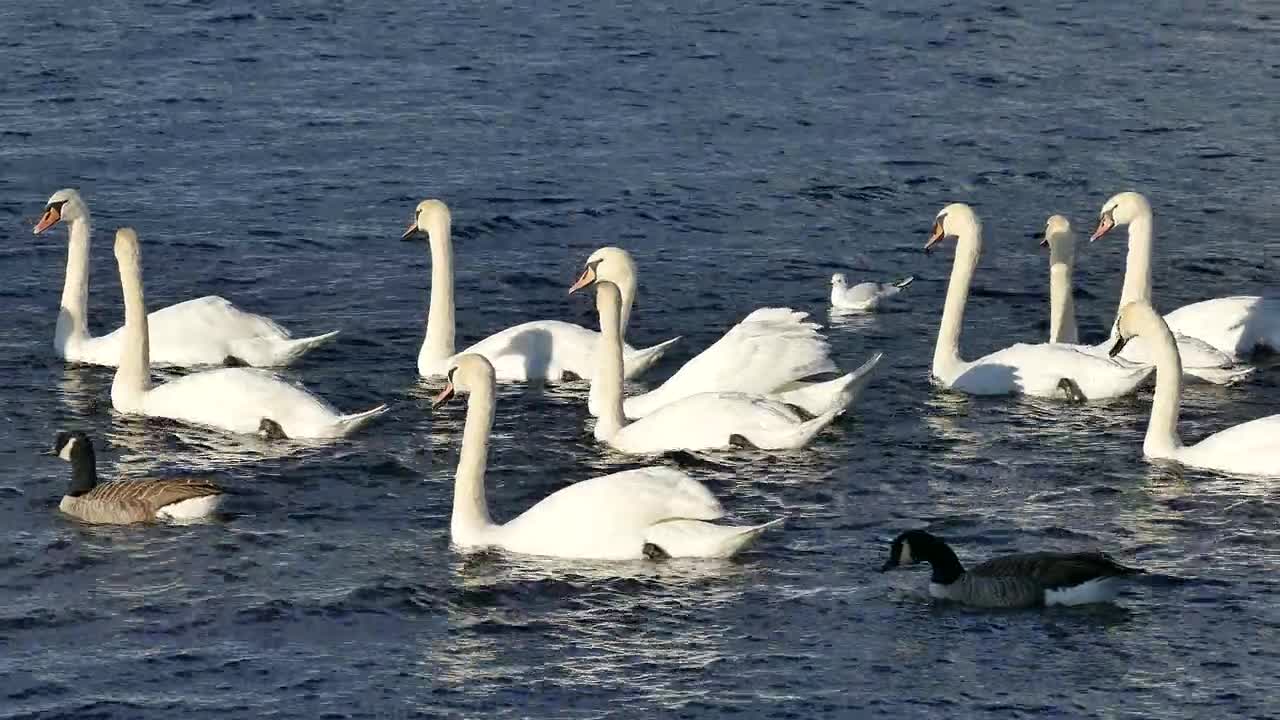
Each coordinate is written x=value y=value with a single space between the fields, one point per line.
x=1062 y=256
x=648 y=512
x=1045 y=370
x=1237 y=325
x=235 y=399
x=863 y=297
x=1252 y=448
x=705 y=421
x=1202 y=361
x=204 y=331
x=770 y=352
x=539 y=350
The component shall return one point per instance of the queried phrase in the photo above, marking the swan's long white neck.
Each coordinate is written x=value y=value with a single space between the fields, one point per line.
x=438 y=345
x=133 y=376
x=1162 y=431
x=470 y=510
x=607 y=381
x=73 y=316
x=1137 y=266
x=1062 y=306
x=946 y=354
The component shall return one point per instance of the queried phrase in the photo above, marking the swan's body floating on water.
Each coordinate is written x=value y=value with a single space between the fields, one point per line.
x=1252 y=448
x=1202 y=361
x=1237 y=326
x=1043 y=370
x=204 y=331
x=647 y=512
x=235 y=399
x=769 y=353
x=538 y=350
x=863 y=297
x=704 y=421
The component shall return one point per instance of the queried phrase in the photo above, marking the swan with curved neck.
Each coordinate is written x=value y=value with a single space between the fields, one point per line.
x=204 y=331
x=234 y=399
x=1237 y=326
x=539 y=350
x=1252 y=448
x=769 y=353
x=1201 y=361
x=1044 y=370
x=1062 y=253
x=705 y=421
x=652 y=512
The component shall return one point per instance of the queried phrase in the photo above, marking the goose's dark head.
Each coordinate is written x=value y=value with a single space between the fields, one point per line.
x=911 y=547
x=70 y=445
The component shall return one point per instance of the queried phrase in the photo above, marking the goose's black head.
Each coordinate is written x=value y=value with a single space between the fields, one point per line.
x=916 y=546
x=76 y=448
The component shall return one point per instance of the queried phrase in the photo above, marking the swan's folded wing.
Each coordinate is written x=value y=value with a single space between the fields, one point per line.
x=211 y=317
x=1257 y=440
x=768 y=349
x=237 y=399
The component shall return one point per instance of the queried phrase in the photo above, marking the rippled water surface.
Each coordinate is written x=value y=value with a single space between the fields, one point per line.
x=271 y=152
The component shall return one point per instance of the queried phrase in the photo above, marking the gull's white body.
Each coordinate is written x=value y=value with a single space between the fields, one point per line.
x=234 y=399
x=539 y=350
x=1234 y=326
x=863 y=297
x=1252 y=448
x=703 y=421
x=608 y=518
x=1022 y=369
x=204 y=331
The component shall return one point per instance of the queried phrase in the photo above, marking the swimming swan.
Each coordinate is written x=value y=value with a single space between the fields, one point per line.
x=1042 y=370
x=235 y=399
x=204 y=331
x=650 y=512
x=1252 y=448
x=705 y=421
x=539 y=350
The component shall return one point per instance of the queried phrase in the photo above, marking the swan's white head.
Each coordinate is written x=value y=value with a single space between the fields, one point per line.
x=470 y=373
x=1136 y=318
x=429 y=214
x=839 y=280
x=1121 y=209
x=1056 y=228
x=62 y=205
x=127 y=246
x=608 y=263
x=955 y=220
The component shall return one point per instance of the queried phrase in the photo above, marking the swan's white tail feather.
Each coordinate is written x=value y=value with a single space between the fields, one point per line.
x=838 y=395
x=1222 y=375
x=271 y=352
x=799 y=436
x=348 y=424
x=697 y=538
x=294 y=349
x=644 y=358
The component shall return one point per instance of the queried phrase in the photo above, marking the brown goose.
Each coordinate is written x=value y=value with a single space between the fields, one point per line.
x=128 y=501
x=1013 y=581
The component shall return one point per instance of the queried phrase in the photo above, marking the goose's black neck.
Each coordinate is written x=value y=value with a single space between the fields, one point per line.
x=942 y=559
x=84 y=469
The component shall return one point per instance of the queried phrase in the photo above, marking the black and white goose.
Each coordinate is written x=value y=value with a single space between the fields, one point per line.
x=1013 y=581
x=131 y=501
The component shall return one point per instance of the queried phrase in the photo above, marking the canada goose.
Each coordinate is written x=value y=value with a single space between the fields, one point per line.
x=130 y=501
x=1013 y=581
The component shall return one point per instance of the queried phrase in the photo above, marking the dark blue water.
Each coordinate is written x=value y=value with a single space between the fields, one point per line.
x=271 y=152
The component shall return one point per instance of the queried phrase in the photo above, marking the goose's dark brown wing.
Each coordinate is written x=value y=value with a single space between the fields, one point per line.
x=1055 y=570
x=151 y=494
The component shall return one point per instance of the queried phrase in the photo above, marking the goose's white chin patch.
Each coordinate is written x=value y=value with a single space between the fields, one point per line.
x=192 y=509
x=1100 y=590
x=65 y=452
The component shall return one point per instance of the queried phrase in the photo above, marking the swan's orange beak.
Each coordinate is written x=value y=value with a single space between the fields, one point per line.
x=935 y=237
x=1105 y=223
x=443 y=397
x=588 y=277
x=51 y=216
x=413 y=228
